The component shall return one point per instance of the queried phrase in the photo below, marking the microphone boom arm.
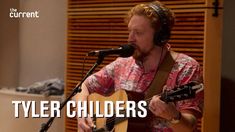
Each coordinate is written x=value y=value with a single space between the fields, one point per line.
x=77 y=89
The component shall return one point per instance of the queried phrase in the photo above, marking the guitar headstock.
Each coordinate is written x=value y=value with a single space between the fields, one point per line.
x=181 y=93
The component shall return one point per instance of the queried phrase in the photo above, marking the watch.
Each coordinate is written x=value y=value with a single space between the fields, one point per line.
x=176 y=119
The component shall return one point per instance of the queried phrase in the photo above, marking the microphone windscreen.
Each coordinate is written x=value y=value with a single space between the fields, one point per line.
x=127 y=50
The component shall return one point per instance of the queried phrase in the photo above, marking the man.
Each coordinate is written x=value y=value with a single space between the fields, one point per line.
x=149 y=30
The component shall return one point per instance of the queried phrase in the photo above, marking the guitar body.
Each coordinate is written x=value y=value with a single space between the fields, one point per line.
x=119 y=95
x=120 y=124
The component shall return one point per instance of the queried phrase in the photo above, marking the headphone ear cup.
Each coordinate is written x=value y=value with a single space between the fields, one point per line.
x=157 y=38
x=161 y=37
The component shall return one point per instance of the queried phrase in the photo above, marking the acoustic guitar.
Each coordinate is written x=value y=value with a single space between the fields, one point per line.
x=123 y=124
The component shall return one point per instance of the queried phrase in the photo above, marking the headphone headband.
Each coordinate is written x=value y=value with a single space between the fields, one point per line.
x=160 y=13
x=163 y=35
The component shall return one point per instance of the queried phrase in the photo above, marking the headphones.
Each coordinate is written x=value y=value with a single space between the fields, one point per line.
x=163 y=34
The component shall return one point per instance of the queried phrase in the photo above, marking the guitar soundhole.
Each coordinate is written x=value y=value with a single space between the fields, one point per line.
x=136 y=124
x=110 y=124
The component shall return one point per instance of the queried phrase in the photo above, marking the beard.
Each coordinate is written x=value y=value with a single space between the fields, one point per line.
x=136 y=55
x=139 y=55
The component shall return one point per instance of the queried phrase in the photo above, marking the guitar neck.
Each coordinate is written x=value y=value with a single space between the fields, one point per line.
x=178 y=94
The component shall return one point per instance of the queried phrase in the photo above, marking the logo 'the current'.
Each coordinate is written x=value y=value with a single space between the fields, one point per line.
x=14 y=13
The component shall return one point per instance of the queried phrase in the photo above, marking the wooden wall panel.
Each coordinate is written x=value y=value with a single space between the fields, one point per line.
x=188 y=33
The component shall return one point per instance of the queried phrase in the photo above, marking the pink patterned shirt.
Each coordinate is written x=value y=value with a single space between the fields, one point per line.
x=126 y=73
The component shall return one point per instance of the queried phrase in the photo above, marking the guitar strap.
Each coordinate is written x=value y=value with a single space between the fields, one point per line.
x=161 y=76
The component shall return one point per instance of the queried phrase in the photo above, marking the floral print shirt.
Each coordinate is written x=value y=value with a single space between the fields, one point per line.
x=127 y=74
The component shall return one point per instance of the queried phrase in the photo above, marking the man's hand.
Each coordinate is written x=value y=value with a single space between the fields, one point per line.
x=85 y=124
x=165 y=110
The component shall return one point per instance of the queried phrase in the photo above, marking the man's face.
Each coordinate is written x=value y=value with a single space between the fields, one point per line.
x=141 y=35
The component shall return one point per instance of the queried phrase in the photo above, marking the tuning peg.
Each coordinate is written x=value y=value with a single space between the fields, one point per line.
x=198 y=87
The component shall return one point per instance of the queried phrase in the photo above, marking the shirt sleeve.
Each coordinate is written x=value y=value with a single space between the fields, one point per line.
x=189 y=70
x=102 y=81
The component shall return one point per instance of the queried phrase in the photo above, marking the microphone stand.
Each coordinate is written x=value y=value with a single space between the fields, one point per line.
x=77 y=89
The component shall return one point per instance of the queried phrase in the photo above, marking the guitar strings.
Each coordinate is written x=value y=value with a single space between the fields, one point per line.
x=113 y=119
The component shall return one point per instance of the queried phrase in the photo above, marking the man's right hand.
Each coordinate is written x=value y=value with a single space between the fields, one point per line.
x=85 y=124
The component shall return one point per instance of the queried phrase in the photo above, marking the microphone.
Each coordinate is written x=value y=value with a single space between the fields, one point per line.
x=126 y=50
